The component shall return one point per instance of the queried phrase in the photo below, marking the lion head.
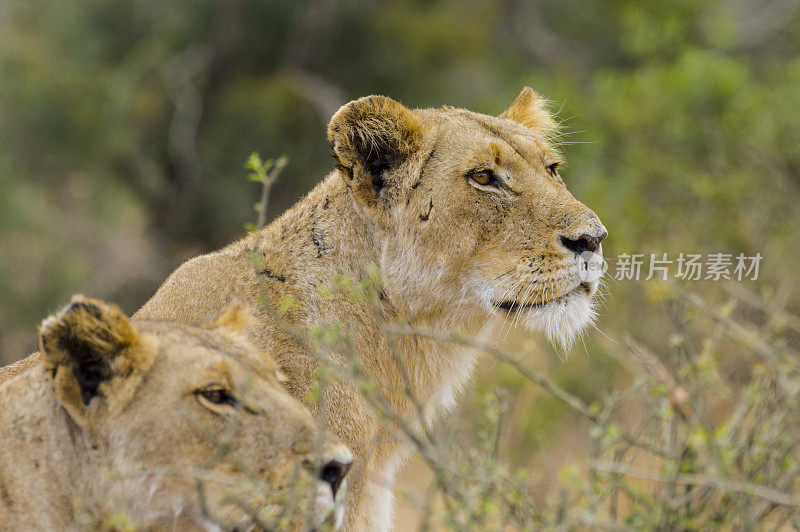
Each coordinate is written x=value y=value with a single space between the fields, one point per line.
x=187 y=426
x=474 y=216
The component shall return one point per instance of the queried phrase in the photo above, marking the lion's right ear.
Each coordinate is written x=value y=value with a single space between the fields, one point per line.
x=369 y=136
x=92 y=352
x=530 y=110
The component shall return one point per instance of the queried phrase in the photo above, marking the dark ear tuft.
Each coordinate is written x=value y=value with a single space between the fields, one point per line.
x=83 y=340
x=369 y=136
x=90 y=366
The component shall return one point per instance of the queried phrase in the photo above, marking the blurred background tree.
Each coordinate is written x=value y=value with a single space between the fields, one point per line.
x=125 y=126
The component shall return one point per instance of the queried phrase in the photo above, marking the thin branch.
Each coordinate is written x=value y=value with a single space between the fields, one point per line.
x=687 y=479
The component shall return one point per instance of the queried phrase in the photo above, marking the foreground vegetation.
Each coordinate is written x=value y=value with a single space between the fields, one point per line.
x=709 y=443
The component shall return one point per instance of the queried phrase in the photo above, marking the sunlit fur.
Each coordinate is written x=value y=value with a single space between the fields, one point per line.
x=140 y=446
x=449 y=250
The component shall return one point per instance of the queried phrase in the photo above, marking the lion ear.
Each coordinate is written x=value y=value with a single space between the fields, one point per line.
x=369 y=136
x=236 y=316
x=530 y=110
x=91 y=350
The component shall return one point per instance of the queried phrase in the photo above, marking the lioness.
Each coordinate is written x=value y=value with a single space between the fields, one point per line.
x=159 y=425
x=466 y=218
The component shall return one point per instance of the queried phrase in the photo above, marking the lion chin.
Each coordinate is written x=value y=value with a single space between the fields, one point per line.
x=562 y=319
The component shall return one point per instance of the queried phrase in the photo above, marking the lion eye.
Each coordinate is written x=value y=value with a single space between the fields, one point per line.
x=217 y=396
x=552 y=169
x=482 y=177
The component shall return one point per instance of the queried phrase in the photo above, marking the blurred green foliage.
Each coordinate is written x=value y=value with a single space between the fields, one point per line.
x=124 y=125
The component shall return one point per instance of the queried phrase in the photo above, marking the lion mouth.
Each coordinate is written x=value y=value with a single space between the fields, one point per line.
x=512 y=306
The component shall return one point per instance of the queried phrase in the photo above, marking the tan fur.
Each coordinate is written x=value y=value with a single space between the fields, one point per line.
x=143 y=440
x=449 y=253
x=20 y=366
x=529 y=110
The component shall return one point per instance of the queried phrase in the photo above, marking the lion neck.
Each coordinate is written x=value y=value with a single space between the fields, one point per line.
x=46 y=461
x=326 y=237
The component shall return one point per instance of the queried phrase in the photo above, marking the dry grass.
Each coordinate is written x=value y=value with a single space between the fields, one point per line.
x=708 y=441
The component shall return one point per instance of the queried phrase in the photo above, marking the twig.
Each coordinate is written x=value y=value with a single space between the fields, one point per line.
x=688 y=479
x=267 y=182
x=549 y=386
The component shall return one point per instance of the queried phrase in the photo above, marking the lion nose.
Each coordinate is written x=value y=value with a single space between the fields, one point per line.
x=584 y=242
x=333 y=473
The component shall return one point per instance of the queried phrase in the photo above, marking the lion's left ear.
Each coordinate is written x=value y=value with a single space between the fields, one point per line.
x=369 y=136
x=95 y=358
x=530 y=110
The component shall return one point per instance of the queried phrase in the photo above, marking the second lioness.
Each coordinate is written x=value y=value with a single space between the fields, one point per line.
x=464 y=215
x=160 y=426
